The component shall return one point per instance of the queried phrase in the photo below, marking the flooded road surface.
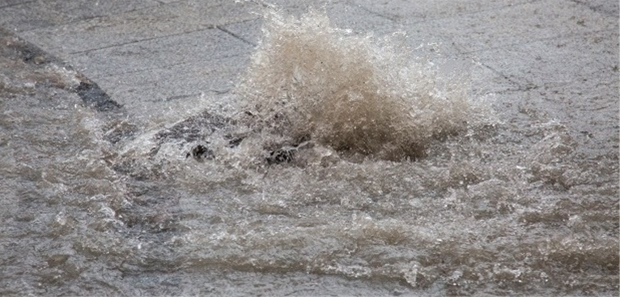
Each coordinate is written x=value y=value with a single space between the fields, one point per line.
x=348 y=168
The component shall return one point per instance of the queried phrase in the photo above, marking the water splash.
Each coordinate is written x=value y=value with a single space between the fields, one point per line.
x=357 y=94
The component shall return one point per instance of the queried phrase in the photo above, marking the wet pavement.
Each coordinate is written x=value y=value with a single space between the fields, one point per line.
x=151 y=56
x=107 y=104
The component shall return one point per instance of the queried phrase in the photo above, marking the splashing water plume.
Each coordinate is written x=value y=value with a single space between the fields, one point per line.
x=358 y=94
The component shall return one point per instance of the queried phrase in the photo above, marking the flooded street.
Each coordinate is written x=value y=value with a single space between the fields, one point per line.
x=341 y=164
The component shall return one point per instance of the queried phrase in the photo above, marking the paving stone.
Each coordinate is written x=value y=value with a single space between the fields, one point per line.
x=608 y=7
x=555 y=61
x=157 y=85
x=7 y=3
x=249 y=30
x=424 y=10
x=147 y=23
x=340 y=14
x=30 y=15
x=210 y=44
x=520 y=24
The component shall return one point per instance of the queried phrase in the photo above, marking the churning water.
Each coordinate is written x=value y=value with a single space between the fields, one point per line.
x=349 y=168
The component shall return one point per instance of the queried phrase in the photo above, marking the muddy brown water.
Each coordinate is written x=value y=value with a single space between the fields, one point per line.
x=95 y=204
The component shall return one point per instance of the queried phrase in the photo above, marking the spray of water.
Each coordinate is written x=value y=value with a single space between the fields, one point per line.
x=359 y=95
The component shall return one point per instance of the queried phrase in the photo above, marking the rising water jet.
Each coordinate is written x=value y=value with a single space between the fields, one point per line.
x=358 y=94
